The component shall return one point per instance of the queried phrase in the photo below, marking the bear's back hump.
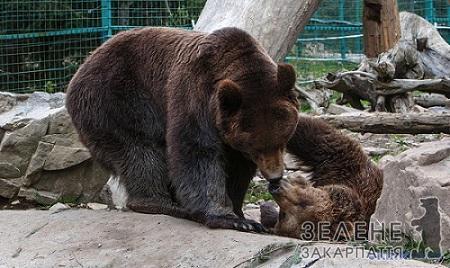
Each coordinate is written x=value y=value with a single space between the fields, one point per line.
x=144 y=55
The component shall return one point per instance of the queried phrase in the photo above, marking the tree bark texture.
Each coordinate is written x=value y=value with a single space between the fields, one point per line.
x=276 y=24
x=381 y=24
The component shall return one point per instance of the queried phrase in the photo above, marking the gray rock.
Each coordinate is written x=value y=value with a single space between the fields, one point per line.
x=376 y=151
x=41 y=197
x=40 y=151
x=7 y=101
x=69 y=139
x=251 y=206
x=17 y=147
x=80 y=183
x=60 y=123
x=8 y=170
x=8 y=189
x=410 y=178
x=63 y=157
x=87 y=238
x=37 y=162
x=34 y=106
x=96 y=206
x=58 y=207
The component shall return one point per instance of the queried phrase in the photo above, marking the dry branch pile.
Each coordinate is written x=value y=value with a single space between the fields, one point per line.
x=419 y=61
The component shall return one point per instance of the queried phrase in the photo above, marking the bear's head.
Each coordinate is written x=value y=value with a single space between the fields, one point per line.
x=255 y=103
x=258 y=115
x=299 y=203
x=313 y=213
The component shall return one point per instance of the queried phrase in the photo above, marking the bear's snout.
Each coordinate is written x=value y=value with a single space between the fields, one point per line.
x=271 y=165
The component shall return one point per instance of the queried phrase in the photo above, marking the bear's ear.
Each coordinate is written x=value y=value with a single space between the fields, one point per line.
x=207 y=46
x=230 y=97
x=205 y=50
x=286 y=76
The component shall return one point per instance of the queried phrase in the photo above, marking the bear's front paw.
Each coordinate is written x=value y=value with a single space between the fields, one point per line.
x=234 y=222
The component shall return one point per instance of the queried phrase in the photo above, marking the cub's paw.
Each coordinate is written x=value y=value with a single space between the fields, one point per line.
x=234 y=222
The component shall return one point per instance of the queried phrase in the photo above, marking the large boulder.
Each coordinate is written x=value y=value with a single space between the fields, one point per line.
x=41 y=157
x=101 y=238
x=416 y=193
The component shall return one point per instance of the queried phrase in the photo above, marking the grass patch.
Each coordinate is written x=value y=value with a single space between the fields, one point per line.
x=257 y=192
x=376 y=158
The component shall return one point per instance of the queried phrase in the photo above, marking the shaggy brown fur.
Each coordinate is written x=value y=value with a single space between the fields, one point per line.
x=181 y=117
x=343 y=189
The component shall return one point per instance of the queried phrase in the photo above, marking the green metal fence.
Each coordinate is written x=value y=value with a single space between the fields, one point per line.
x=333 y=39
x=42 y=42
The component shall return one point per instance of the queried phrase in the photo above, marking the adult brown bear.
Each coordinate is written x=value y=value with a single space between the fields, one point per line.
x=183 y=119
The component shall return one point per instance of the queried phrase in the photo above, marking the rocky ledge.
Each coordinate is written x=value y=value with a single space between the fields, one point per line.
x=102 y=238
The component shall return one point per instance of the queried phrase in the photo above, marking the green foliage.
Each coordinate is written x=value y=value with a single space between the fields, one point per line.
x=50 y=87
x=69 y=199
x=305 y=107
x=257 y=192
x=376 y=158
x=445 y=260
x=400 y=140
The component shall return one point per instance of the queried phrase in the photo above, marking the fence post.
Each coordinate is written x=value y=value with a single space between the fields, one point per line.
x=429 y=11
x=448 y=14
x=106 y=20
x=343 y=42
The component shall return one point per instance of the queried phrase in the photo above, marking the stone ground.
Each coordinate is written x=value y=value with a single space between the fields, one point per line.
x=99 y=238
x=102 y=238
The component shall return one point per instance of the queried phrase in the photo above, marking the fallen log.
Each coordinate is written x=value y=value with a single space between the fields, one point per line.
x=390 y=123
x=430 y=100
x=350 y=82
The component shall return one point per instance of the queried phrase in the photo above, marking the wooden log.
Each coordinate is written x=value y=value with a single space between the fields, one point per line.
x=430 y=100
x=384 y=123
x=419 y=61
x=274 y=23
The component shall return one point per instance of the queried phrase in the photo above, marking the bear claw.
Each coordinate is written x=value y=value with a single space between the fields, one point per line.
x=239 y=224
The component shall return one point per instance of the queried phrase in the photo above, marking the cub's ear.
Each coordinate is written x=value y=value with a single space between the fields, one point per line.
x=286 y=76
x=230 y=98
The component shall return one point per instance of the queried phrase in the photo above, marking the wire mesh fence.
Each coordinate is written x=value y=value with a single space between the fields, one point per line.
x=42 y=42
x=333 y=38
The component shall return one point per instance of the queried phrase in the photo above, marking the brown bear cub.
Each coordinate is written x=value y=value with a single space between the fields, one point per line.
x=182 y=119
x=341 y=193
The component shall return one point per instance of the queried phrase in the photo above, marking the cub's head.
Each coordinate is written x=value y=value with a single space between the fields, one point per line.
x=258 y=112
x=299 y=203
x=313 y=213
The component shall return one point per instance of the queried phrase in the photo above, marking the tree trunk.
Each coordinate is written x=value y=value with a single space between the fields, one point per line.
x=381 y=26
x=276 y=24
x=383 y=123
